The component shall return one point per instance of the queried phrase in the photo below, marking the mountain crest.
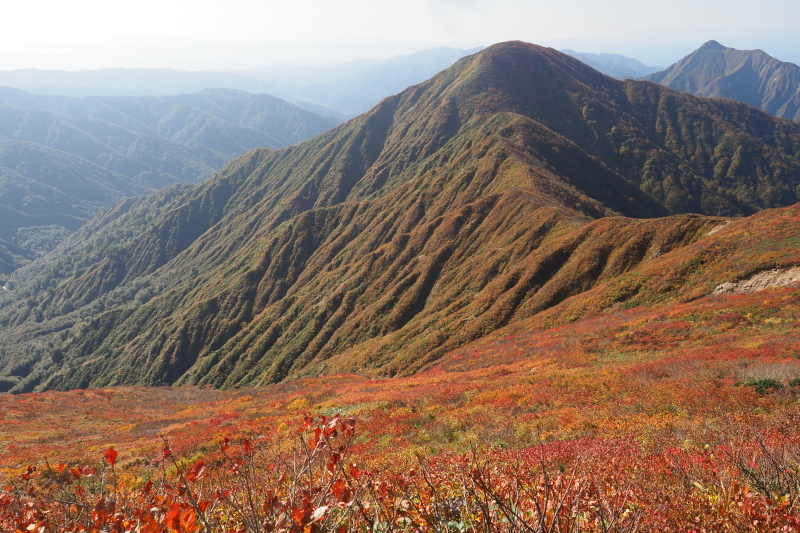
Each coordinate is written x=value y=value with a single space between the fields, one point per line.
x=479 y=198
x=749 y=76
x=712 y=45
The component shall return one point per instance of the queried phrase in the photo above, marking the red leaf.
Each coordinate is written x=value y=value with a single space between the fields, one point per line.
x=166 y=452
x=330 y=429
x=315 y=440
x=301 y=515
x=76 y=472
x=225 y=443
x=30 y=474
x=173 y=518
x=341 y=491
x=196 y=472
x=61 y=467
x=349 y=426
x=248 y=447
x=111 y=456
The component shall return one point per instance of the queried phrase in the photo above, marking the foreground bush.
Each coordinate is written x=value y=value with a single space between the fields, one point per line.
x=313 y=485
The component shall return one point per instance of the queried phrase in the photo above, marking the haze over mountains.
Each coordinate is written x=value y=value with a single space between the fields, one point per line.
x=614 y=65
x=482 y=197
x=749 y=76
x=343 y=91
x=63 y=159
x=61 y=163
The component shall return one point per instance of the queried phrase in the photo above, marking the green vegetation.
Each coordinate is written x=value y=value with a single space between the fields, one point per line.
x=764 y=385
x=487 y=197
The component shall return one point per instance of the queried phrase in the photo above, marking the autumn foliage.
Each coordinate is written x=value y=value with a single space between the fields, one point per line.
x=316 y=485
x=668 y=418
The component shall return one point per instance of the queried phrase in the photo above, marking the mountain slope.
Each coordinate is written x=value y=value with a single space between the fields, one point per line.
x=480 y=198
x=71 y=157
x=749 y=76
x=226 y=122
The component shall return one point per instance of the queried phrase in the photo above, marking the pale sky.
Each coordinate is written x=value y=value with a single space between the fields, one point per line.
x=238 y=34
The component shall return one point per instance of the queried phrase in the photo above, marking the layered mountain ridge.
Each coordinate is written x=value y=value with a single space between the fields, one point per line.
x=749 y=76
x=63 y=159
x=342 y=91
x=500 y=188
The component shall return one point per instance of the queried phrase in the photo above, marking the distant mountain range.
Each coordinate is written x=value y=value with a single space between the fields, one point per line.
x=63 y=159
x=353 y=88
x=342 y=92
x=749 y=76
x=510 y=183
x=614 y=65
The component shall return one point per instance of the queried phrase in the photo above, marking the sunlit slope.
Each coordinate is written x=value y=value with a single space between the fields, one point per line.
x=454 y=208
x=763 y=245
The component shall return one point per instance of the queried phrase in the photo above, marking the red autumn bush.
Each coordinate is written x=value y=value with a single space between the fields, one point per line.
x=310 y=483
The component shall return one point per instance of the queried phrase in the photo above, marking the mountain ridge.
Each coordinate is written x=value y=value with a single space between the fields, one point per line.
x=78 y=156
x=615 y=65
x=482 y=197
x=342 y=91
x=749 y=76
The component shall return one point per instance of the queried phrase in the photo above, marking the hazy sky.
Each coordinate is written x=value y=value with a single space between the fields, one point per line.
x=216 y=34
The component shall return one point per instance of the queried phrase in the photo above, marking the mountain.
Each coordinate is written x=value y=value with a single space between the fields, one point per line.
x=341 y=91
x=353 y=88
x=127 y=82
x=228 y=122
x=63 y=159
x=614 y=65
x=749 y=76
x=512 y=182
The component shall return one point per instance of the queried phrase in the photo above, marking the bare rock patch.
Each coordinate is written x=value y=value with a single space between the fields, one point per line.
x=763 y=280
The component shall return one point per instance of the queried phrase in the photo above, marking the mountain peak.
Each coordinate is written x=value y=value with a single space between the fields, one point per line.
x=519 y=49
x=712 y=45
x=523 y=69
x=750 y=76
x=458 y=206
